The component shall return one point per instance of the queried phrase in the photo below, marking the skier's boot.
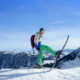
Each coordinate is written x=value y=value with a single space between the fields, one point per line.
x=38 y=66
x=58 y=53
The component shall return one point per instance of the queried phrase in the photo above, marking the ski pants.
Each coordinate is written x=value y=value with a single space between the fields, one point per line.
x=43 y=48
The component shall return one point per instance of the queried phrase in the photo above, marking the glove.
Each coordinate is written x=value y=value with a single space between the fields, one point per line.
x=36 y=46
x=38 y=49
x=39 y=44
x=58 y=52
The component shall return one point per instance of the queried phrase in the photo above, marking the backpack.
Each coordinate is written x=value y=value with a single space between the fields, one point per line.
x=32 y=40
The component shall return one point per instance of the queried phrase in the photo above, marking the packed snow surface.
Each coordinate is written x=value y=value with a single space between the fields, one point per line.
x=70 y=71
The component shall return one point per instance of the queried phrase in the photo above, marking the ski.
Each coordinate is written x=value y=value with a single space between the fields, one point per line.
x=57 y=57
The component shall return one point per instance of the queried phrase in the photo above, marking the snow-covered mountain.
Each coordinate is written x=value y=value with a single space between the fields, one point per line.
x=66 y=52
x=16 y=59
x=73 y=57
x=70 y=57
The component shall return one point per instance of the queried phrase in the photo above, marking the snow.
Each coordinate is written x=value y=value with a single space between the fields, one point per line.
x=71 y=64
x=70 y=70
x=39 y=74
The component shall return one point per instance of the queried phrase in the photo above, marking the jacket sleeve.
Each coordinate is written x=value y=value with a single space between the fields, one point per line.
x=36 y=39
x=37 y=45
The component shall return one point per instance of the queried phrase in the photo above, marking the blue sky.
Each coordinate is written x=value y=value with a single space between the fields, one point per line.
x=19 y=19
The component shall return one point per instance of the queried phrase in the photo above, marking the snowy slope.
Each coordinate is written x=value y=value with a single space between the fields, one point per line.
x=70 y=70
x=38 y=74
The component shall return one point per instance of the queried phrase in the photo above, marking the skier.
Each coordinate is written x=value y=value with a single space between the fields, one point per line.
x=37 y=44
